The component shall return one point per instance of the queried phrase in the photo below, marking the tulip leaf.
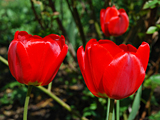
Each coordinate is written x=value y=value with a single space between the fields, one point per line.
x=72 y=32
x=152 y=29
x=155 y=79
x=136 y=104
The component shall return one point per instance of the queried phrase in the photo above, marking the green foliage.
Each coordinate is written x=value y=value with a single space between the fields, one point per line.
x=152 y=81
x=136 y=104
x=17 y=92
x=152 y=29
x=155 y=116
x=151 y=4
x=88 y=111
x=15 y=17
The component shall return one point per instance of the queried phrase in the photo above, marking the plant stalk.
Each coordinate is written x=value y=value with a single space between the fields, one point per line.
x=27 y=102
x=111 y=109
x=50 y=86
x=4 y=60
x=117 y=109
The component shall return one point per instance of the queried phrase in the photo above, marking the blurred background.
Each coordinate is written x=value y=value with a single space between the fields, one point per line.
x=78 y=21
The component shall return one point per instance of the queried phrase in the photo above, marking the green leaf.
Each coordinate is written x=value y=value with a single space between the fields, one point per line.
x=150 y=4
x=155 y=116
x=158 y=26
x=152 y=81
x=93 y=106
x=152 y=29
x=154 y=101
x=136 y=104
x=155 y=79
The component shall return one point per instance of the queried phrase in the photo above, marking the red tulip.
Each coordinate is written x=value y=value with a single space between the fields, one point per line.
x=113 y=71
x=113 y=22
x=34 y=60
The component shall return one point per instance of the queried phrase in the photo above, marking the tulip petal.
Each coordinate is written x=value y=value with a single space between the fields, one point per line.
x=12 y=60
x=106 y=32
x=121 y=11
x=35 y=37
x=128 y=48
x=110 y=13
x=16 y=35
x=123 y=76
x=52 y=68
x=41 y=52
x=102 y=15
x=118 y=25
x=143 y=54
x=111 y=47
x=19 y=62
x=100 y=58
x=86 y=68
x=57 y=38
x=23 y=36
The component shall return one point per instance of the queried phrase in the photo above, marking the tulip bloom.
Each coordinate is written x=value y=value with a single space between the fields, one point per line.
x=34 y=60
x=113 y=71
x=113 y=22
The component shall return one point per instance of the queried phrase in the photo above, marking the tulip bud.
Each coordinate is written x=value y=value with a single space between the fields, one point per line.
x=34 y=60
x=113 y=22
x=113 y=71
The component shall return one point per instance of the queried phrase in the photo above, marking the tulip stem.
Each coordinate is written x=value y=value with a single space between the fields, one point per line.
x=26 y=102
x=55 y=98
x=66 y=106
x=50 y=86
x=111 y=109
x=117 y=110
x=108 y=104
x=3 y=60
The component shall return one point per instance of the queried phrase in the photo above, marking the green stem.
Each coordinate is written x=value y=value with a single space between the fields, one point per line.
x=50 y=86
x=124 y=116
x=55 y=98
x=98 y=29
x=108 y=104
x=60 y=102
x=117 y=110
x=3 y=60
x=111 y=109
x=26 y=102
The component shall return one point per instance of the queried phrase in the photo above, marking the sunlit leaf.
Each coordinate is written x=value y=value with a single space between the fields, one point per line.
x=152 y=29
x=155 y=79
x=150 y=4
